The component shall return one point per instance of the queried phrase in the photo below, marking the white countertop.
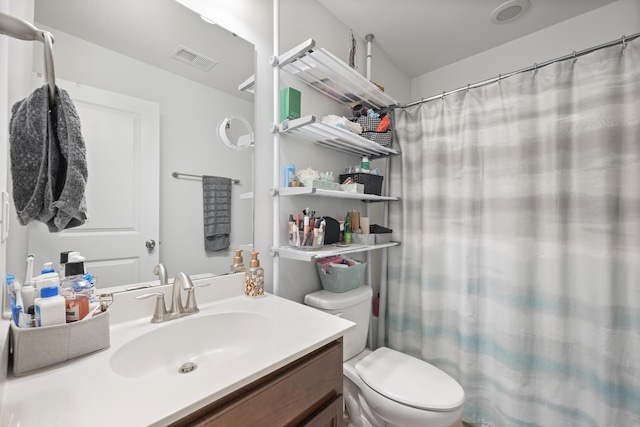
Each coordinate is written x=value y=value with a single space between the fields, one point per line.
x=87 y=392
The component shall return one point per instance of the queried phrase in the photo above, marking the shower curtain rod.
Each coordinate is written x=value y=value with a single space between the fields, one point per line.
x=623 y=40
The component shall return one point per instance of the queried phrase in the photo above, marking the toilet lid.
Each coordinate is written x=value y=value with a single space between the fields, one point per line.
x=410 y=381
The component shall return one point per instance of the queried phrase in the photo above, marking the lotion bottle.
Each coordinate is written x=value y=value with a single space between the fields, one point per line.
x=238 y=263
x=254 y=278
x=50 y=307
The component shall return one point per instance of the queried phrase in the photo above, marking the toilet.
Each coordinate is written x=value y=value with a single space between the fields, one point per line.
x=385 y=387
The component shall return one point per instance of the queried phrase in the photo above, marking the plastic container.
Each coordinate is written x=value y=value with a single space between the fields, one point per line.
x=238 y=262
x=46 y=279
x=341 y=279
x=254 y=278
x=49 y=307
x=289 y=174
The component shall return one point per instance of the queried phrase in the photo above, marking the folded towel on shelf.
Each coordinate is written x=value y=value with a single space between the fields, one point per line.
x=48 y=161
x=216 y=192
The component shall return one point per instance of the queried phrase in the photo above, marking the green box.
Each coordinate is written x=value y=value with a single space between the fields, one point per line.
x=289 y=104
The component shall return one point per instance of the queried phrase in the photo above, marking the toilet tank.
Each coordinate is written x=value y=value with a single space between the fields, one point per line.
x=353 y=305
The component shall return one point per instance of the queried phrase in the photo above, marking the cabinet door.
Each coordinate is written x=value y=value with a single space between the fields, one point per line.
x=308 y=391
x=329 y=416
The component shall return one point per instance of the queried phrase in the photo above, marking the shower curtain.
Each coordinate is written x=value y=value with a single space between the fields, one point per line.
x=519 y=266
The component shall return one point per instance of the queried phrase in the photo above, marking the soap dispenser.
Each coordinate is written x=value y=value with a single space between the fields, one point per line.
x=238 y=263
x=254 y=278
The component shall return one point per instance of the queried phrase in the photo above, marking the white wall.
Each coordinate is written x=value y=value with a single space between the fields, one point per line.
x=593 y=28
x=189 y=114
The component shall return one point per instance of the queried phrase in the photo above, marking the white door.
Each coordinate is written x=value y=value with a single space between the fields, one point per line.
x=121 y=134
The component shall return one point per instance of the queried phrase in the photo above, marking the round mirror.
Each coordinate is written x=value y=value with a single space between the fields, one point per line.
x=235 y=132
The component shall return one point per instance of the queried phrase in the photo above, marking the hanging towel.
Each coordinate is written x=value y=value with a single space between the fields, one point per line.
x=48 y=161
x=216 y=193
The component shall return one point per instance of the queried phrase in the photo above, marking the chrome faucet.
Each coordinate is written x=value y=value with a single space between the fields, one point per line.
x=161 y=271
x=176 y=310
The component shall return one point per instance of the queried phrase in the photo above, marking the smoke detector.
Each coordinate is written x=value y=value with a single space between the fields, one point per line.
x=509 y=11
x=193 y=58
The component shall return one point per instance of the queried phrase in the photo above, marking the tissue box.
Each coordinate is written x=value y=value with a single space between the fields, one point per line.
x=38 y=348
x=289 y=103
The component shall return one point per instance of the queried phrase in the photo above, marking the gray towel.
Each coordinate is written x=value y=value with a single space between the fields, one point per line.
x=216 y=193
x=48 y=161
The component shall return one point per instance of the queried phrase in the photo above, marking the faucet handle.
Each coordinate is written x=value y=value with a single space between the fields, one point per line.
x=160 y=312
x=192 y=306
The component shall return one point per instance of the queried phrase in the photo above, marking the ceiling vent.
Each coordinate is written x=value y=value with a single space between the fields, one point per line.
x=193 y=58
x=509 y=11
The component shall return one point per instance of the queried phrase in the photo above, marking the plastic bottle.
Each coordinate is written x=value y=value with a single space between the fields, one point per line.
x=347 y=230
x=364 y=164
x=49 y=307
x=238 y=262
x=78 y=289
x=47 y=278
x=289 y=174
x=64 y=259
x=28 y=295
x=254 y=278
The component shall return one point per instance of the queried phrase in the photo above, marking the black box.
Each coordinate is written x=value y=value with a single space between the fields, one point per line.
x=372 y=183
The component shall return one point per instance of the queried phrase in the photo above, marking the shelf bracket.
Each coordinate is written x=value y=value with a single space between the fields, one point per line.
x=295 y=53
x=273 y=252
x=273 y=191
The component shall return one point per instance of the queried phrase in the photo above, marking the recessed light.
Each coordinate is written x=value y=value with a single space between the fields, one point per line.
x=509 y=11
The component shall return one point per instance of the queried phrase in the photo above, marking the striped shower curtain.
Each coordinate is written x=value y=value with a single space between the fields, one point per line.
x=519 y=268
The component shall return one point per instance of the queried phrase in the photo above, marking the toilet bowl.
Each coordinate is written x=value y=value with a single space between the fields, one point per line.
x=386 y=387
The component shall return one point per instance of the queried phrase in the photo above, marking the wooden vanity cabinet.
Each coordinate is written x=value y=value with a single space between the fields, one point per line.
x=306 y=392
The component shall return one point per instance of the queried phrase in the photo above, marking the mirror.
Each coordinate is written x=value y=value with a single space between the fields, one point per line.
x=160 y=53
x=236 y=133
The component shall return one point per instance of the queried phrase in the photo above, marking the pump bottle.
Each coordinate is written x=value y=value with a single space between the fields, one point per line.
x=238 y=263
x=254 y=278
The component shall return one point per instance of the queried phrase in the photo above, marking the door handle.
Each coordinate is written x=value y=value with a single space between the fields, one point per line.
x=150 y=244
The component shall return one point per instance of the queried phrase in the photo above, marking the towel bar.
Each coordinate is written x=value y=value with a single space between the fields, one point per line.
x=179 y=174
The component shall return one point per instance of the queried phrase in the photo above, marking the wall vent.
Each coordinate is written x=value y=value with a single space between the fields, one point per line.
x=193 y=58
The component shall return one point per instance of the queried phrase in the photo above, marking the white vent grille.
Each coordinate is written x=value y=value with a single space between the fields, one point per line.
x=193 y=58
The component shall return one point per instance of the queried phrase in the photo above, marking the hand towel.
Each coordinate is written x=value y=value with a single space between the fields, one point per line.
x=216 y=193
x=48 y=161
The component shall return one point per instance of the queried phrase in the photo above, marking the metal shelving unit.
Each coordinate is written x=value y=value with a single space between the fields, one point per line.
x=310 y=191
x=326 y=73
x=289 y=253
x=334 y=137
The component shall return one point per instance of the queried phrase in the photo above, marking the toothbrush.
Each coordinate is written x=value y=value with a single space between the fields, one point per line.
x=30 y=259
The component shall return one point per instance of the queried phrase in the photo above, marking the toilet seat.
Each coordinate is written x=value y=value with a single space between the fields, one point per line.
x=410 y=381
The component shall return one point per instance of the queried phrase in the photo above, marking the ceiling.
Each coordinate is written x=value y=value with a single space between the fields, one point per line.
x=422 y=35
x=417 y=35
x=150 y=31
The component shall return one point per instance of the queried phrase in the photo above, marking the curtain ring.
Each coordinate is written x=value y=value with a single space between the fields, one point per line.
x=499 y=78
x=624 y=41
x=535 y=68
x=443 y=95
x=575 y=58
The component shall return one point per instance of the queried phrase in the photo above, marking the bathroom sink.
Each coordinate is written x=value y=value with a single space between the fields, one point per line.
x=185 y=344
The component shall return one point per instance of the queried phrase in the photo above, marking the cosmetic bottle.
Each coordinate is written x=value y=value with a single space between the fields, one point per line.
x=364 y=164
x=238 y=263
x=49 y=307
x=347 y=230
x=254 y=278
x=47 y=278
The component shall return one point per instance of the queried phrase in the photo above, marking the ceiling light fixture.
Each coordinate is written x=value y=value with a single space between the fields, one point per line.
x=509 y=11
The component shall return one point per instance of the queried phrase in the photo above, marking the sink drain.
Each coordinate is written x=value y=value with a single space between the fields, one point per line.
x=187 y=367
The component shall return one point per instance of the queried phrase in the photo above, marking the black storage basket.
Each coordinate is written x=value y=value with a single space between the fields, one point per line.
x=372 y=183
